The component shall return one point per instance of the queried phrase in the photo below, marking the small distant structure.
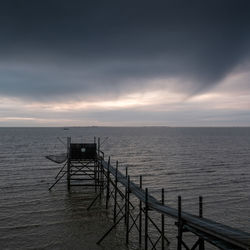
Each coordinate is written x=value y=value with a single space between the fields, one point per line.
x=85 y=165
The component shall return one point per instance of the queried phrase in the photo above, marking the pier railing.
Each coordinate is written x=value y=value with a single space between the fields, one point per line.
x=219 y=235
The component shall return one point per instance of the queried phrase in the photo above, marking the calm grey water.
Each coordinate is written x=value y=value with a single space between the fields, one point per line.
x=212 y=162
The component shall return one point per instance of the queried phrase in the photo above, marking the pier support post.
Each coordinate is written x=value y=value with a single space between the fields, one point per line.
x=98 y=172
x=115 y=198
x=127 y=210
x=108 y=187
x=95 y=175
x=202 y=243
x=146 y=219
x=99 y=163
x=162 y=221
x=126 y=190
x=101 y=179
x=179 y=245
x=140 y=215
x=98 y=147
x=68 y=162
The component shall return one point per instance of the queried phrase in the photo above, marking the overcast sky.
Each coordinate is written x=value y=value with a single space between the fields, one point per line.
x=125 y=63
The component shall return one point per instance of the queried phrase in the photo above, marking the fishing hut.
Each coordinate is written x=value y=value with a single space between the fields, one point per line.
x=82 y=164
x=132 y=204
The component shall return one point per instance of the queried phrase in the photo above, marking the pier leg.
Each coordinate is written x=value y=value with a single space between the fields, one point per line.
x=68 y=162
x=99 y=165
x=179 y=246
x=140 y=215
x=101 y=179
x=97 y=169
x=126 y=190
x=202 y=243
x=115 y=198
x=98 y=147
x=127 y=202
x=162 y=222
x=98 y=172
x=108 y=187
x=95 y=175
x=146 y=219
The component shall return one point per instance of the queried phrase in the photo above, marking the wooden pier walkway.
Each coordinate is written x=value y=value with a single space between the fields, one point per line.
x=220 y=235
x=86 y=166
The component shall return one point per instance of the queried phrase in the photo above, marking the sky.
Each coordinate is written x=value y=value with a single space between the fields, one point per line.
x=124 y=63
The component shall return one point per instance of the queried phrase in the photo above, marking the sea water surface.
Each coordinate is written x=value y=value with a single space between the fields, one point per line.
x=212 y=162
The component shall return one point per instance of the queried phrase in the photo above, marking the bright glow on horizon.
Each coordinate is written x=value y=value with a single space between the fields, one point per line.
x=165 y=104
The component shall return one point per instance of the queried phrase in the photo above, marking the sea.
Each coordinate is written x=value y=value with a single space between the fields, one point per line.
x=189 y=162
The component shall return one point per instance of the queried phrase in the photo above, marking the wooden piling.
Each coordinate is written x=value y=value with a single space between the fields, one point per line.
x=127 y=210
x=146 y=219
x=108 y=184
x=115 y=198
x=140 y=215
x=202 y=243
x=179 y=246
x=95 y=175
x=98 y=147
x=162 y=222
x=126 y=190
x=101 y=179
x=68 y=162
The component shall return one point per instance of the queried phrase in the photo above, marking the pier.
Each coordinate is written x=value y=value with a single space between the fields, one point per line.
x=131 y=203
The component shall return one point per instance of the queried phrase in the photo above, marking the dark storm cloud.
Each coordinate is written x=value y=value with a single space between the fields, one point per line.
x=64 y=47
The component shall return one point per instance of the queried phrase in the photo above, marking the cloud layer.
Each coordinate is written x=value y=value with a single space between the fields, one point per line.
x=122 y=56
x=58 y=48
